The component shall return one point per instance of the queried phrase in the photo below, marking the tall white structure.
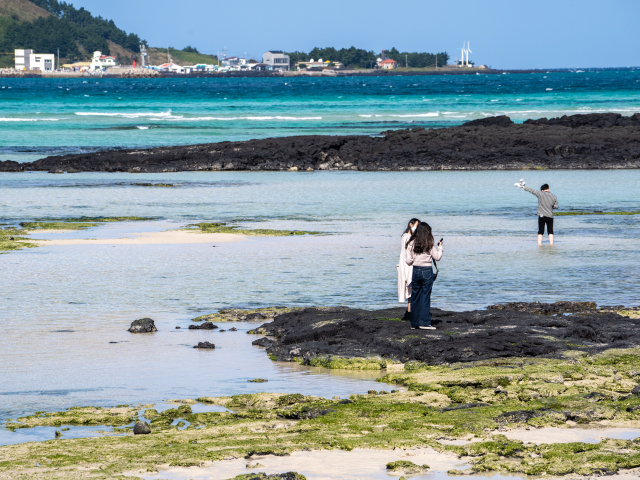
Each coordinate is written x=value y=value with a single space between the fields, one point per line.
x=468 y=51
x=27 y=60
x=143 y=55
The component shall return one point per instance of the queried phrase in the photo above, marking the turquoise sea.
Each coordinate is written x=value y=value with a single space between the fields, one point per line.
x=39 y=117
x=63 y=305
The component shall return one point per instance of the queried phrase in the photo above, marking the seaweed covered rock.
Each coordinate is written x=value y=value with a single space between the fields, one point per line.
x=546 y=308
x=143 y=325
x=205 y=345
x=273 y=476
x=141 y=428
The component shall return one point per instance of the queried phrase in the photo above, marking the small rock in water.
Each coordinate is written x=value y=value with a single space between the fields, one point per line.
x=258 y=380
x=205 y=345
x=143 y=325
x=203 y=326
x=58 y=434
x=234 y=329
x=141 y=428
x=254 y=465
x=177 y=328
x=222 y=330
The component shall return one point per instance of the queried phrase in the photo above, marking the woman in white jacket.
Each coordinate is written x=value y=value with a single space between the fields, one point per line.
x=405 y=271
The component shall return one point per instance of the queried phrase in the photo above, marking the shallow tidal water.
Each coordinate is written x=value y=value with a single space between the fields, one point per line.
x=63 y=305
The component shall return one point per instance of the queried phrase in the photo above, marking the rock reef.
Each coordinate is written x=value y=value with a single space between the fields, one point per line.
x=361 y=339
x=594 y=141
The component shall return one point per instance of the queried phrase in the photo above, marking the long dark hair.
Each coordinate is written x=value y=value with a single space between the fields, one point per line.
x=408 y=230
x=422 y=239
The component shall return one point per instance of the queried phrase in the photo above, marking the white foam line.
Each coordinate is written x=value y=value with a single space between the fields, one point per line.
x=29 y=119
x=195 y=119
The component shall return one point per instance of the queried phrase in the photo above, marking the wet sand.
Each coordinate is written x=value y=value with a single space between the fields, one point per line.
x=144 y=238
x=318 y=465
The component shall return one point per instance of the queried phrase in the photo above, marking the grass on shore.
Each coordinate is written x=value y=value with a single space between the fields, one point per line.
x=210 y=227
x=442 y=402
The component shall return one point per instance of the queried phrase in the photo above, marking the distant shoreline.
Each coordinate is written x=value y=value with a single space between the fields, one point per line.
x=328 y=74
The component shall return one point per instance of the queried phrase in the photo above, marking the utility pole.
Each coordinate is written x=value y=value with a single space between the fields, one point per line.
x=406 y=59
x=168 y=56
x=58 y=58
x=436 y=61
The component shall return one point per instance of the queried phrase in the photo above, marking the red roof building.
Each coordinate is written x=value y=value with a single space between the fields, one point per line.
x=389 y=64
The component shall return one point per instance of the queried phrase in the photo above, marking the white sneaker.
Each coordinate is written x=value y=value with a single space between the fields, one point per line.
x=421 y=327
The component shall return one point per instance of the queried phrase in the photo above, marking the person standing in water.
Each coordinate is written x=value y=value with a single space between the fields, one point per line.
x=420 y=252
x=405 y=271
x=547 y=203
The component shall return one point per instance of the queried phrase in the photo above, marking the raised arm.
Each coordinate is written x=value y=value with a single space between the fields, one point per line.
x=531 y=190
x=436 y=253
x=555 y=204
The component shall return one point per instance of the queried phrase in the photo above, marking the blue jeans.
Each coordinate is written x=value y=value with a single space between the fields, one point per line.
x=421 y=285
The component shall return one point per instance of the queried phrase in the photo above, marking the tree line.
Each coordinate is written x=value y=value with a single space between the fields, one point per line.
x=75 y=32
x=360 y=58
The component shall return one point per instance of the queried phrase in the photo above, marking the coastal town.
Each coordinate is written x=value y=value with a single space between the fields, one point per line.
x=276 y=61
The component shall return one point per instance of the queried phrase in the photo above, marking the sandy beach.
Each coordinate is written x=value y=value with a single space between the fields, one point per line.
x=144 y=238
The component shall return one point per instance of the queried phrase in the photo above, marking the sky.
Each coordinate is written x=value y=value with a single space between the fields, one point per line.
x=508 y=34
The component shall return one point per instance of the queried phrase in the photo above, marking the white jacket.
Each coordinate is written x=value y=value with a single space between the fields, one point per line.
x=405 y=272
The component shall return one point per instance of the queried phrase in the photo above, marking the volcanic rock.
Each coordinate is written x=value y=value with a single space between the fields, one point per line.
x=141 y=428
x=593 y=141
x=143 y=325
x=205 y=345
x=203 y=326
x=459 y=336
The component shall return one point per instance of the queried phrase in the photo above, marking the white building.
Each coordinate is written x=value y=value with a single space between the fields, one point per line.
x=276 y=60
x=27 y=60
x=171 y=67
x=101 y=62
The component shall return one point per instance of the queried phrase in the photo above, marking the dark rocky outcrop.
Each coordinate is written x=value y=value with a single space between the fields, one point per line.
x=141 y=428
x=459 y=336
x=203 y=326
x=205 y=345
x=143 y=325
x=594 y=141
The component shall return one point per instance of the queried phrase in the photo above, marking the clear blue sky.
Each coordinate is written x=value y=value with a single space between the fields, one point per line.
x=503 y=33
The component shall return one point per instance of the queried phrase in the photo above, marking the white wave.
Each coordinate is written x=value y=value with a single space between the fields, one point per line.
x=277 y=117
x=432 y=114
x=549 y=89
x=142 y=128
x=129 y=115
x=365 y=116
x=29 y=119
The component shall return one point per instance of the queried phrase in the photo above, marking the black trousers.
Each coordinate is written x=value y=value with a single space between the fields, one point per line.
x=542 y=221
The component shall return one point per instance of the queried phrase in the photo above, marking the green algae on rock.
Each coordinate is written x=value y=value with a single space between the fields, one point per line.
x=273 y=476
x=12 y=238
x=405 y=466
x=115 y=416
x=218 y=227
x=241 y=315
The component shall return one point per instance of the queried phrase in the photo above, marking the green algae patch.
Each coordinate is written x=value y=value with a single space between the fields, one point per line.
x=273 y=476
x=116 y=416
x=353 y=363
x=12 y=238
x=207 y=227
x=448 y=401
x=405 y=466
x=241 y=315
x=132 y=218
x=576 y=212
x=53 y=225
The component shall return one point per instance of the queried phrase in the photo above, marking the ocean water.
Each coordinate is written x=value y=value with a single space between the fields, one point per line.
x=40 y=117
x=63 y=305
